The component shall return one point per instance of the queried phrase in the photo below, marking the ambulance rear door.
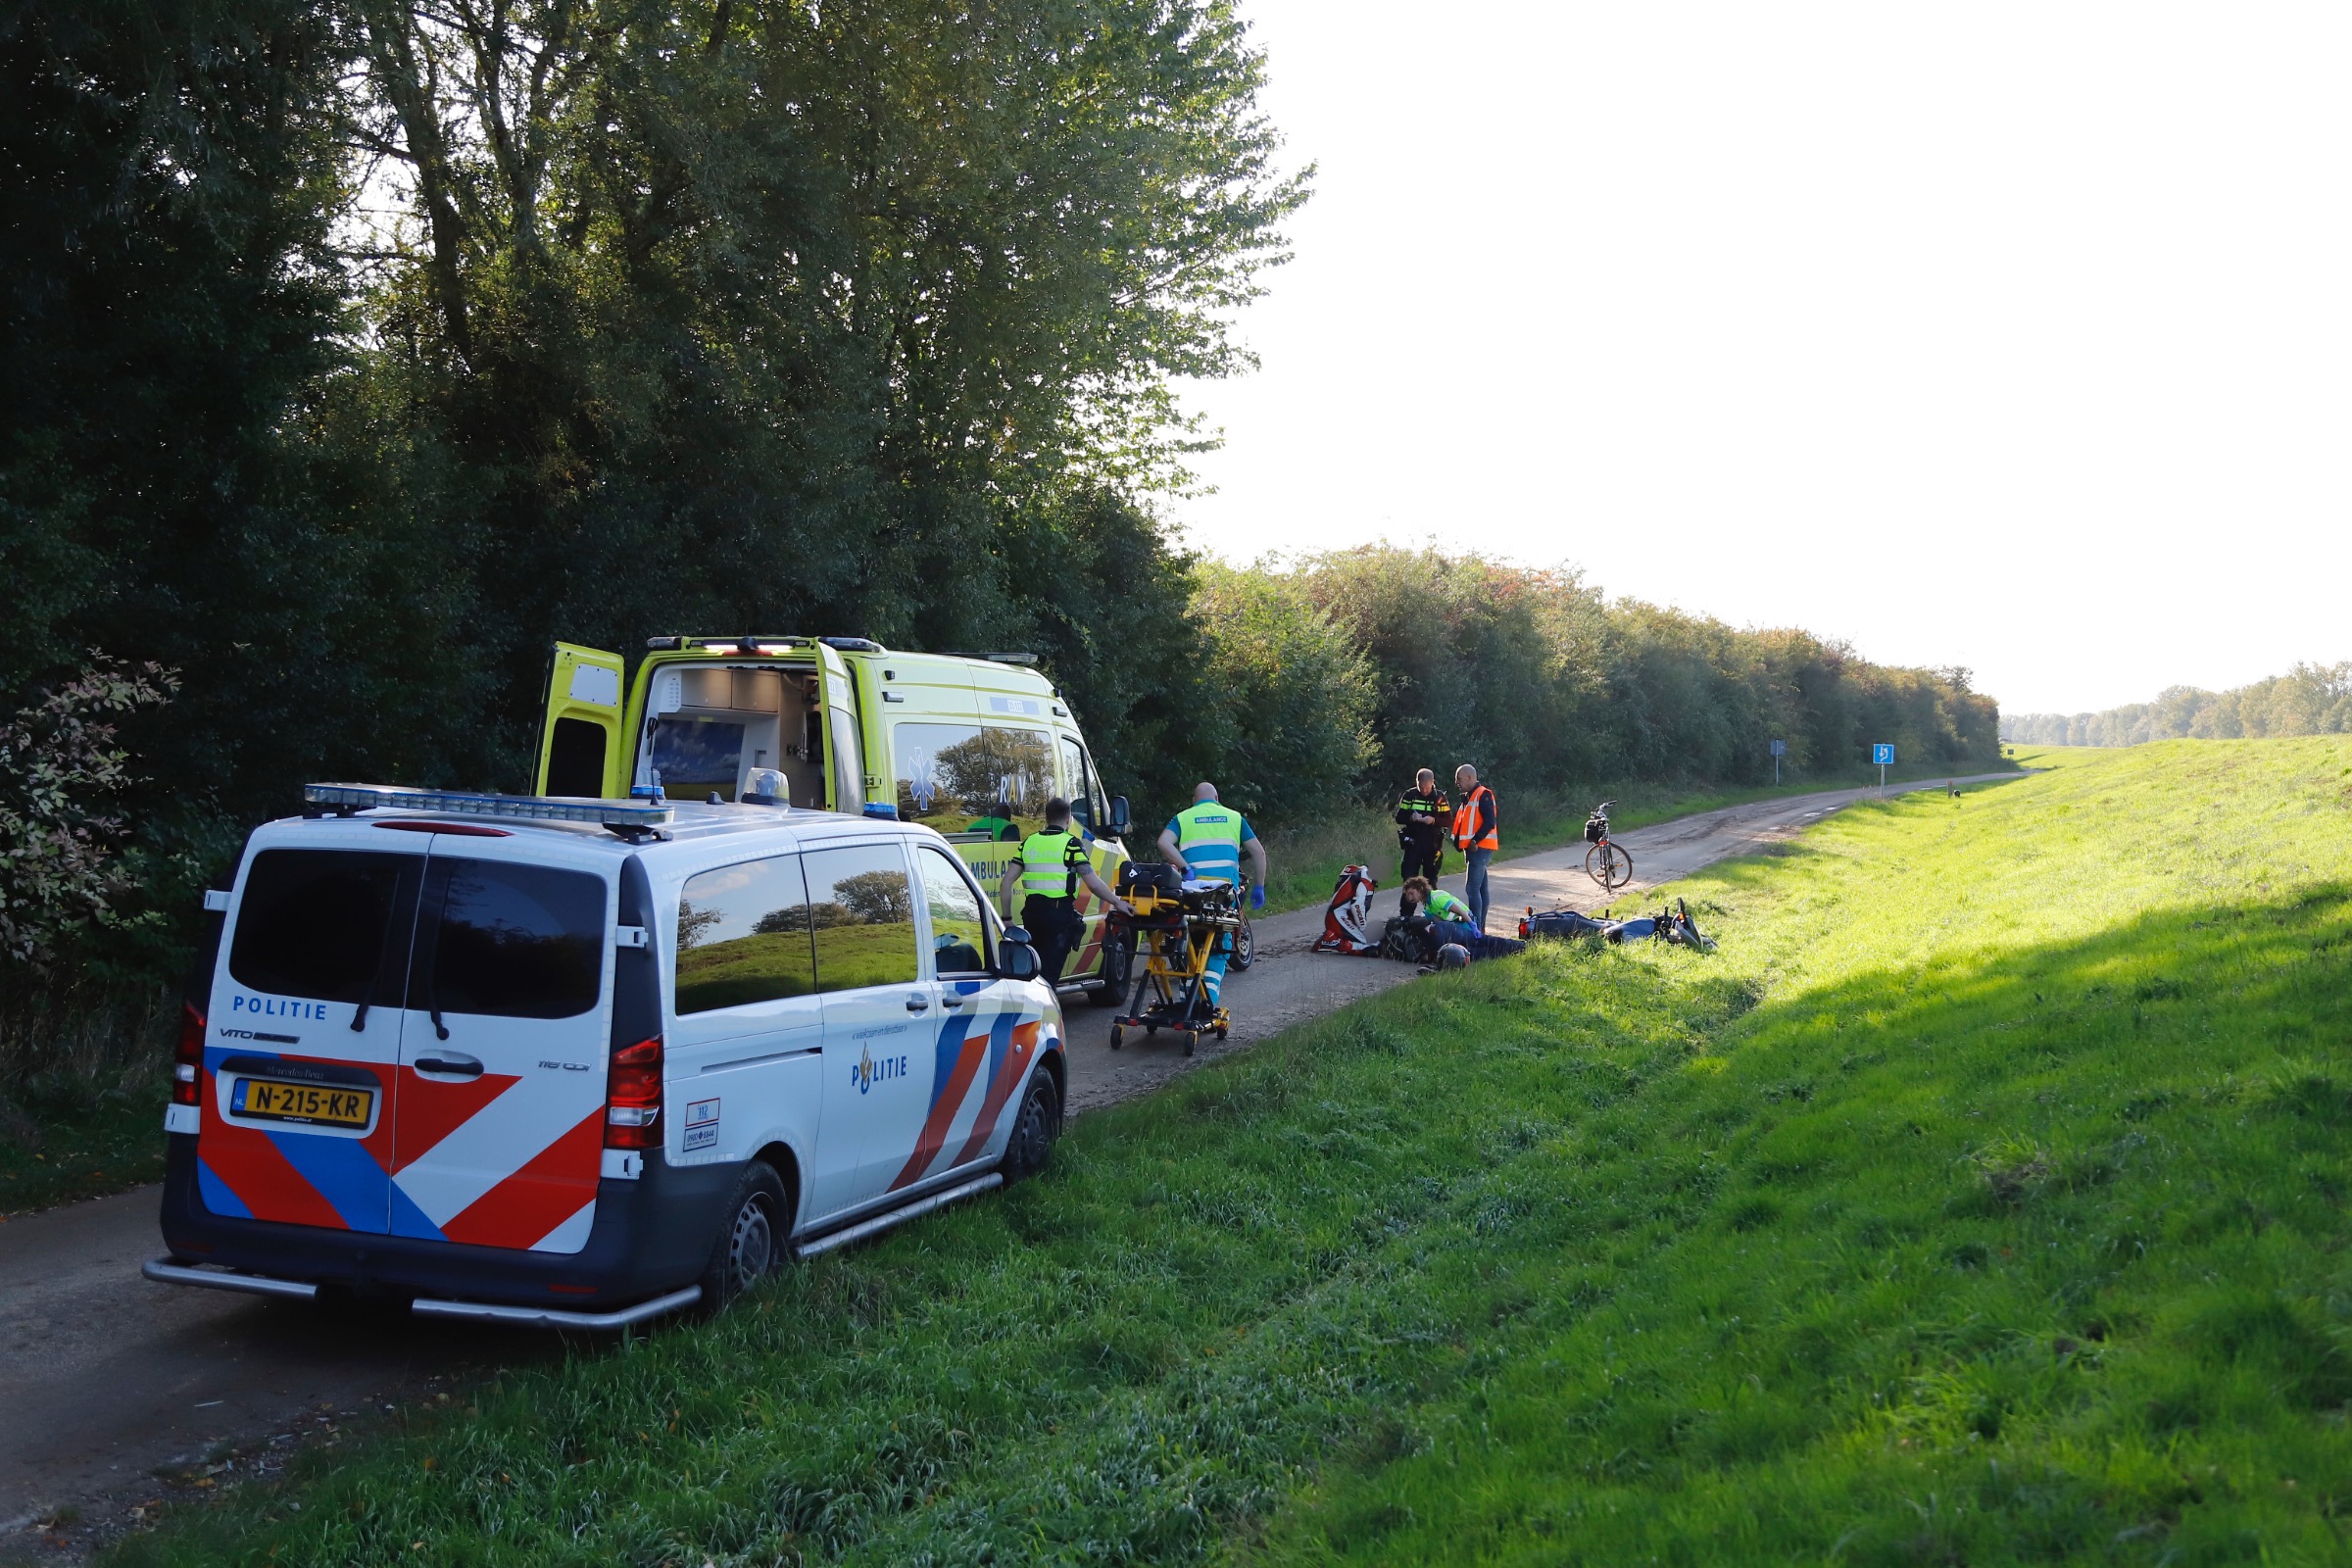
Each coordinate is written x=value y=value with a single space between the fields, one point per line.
x=579 y=743
x=846 y=784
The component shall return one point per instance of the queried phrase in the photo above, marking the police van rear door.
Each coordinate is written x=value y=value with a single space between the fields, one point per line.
x=503 y=1044
x=302 y=1039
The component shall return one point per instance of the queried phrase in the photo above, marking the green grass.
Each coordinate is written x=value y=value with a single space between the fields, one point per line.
x=1306 y=861
x=1982 y=1200
x=83 y=1079
x=66 y=1136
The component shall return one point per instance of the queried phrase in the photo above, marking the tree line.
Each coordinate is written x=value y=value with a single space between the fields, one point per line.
x=358 y=350
x=2308 y=700
x=1341 y=673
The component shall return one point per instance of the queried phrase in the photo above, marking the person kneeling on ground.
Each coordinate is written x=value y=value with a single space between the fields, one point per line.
x=1450 y=920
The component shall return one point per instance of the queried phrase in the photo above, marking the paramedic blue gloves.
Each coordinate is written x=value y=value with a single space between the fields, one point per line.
x=1258 y=898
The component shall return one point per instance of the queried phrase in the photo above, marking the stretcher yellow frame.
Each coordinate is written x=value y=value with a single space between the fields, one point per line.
x=1172 y=991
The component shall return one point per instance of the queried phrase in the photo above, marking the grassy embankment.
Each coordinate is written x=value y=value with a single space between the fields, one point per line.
x=1983 y=1200
x=81 y=1105
x=1307 y=860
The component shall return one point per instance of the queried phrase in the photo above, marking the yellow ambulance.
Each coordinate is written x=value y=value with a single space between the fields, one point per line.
x=970 y=744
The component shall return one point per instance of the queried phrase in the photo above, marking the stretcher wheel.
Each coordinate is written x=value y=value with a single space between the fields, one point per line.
x=1119 y=1037
x=1190 y=1037
x=1221 y=1033
x=1152 y=1029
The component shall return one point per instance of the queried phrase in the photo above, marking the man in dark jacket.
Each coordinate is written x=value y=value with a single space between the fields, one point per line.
x=1421 y=817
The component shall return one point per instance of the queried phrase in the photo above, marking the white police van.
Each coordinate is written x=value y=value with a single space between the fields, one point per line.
x=577 y=1063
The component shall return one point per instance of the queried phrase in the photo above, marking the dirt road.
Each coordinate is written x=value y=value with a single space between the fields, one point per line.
x=1290 y=984
x=105 y=1377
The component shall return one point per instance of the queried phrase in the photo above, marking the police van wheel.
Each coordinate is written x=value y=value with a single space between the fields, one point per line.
x=752 y=1239
x=1034 y=1131
x=1118 y=963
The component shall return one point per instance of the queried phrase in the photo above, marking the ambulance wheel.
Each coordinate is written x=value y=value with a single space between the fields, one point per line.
x=1119 y=965
x=1034 y=1131
x=752 y=1242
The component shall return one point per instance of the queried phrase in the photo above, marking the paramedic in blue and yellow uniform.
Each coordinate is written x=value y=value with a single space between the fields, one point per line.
x=1049 y=864
x=1203 y=842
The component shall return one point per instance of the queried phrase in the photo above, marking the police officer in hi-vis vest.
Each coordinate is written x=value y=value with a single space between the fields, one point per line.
x=1422 y=815
x=1203 y=842
x=1049 y=865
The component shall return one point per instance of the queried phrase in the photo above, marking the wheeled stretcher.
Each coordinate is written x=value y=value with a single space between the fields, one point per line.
x=1176 y=929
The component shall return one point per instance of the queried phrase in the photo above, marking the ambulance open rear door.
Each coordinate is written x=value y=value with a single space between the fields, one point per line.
x=846 y=784
x=579 y=745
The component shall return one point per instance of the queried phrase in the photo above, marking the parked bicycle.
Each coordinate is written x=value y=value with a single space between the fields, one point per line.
x=1606 y=863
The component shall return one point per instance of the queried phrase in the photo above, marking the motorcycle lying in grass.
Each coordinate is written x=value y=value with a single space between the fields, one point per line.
x=1673 y=925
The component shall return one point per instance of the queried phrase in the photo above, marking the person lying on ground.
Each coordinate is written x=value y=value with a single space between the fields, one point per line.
x=1450 y=920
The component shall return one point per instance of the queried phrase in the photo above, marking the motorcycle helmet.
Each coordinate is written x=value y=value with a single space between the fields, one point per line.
x=1453 y=956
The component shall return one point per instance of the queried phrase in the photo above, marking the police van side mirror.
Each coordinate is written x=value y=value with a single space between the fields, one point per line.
x=1119 y=820
x=1016 y=958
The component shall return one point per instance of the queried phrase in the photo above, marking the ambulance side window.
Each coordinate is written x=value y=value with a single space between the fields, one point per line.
x=744 y=936
x=863 y=913
x=319 y=923
x=969 y=778
x=958 y=930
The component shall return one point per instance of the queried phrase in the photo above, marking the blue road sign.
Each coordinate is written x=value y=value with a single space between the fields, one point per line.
x=1883 y=755
x=1780 y=748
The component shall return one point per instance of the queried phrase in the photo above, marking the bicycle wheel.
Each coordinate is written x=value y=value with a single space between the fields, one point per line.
x=1618 y=864
x=1244 y=946
x=1597 y=862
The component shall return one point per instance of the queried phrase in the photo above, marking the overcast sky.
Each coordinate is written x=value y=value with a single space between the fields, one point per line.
x=2012 y=336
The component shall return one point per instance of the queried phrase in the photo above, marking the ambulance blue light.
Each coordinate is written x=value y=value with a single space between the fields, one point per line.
x=883 y=810
x=349 y=798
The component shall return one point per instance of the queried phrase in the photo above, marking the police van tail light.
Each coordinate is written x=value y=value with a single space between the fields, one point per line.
x=187 y=1058
x=633 y=1096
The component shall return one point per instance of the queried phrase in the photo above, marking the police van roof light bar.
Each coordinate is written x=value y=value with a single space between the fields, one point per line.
x=992 y=658
x=622 y=817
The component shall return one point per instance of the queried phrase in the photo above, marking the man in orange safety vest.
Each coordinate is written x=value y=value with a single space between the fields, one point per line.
x=1477 y=822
